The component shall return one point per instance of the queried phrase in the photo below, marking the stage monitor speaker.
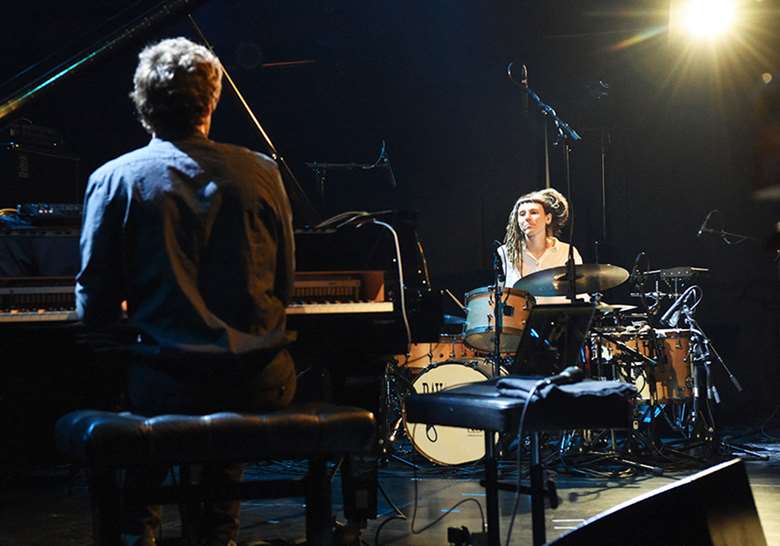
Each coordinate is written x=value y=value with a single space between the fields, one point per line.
x=711 y=508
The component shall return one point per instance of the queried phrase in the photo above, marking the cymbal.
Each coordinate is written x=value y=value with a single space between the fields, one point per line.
x=452 y=320
x=606 y=308
x=588 y=278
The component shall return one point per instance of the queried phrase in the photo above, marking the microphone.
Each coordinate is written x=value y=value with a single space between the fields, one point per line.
x=522 y=82
x=672 y=314
x=704 y=229
x=572 y=374
x=524 y=88
x=635 y=273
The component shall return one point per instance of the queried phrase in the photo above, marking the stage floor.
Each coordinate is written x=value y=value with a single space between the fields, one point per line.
x=49 y=505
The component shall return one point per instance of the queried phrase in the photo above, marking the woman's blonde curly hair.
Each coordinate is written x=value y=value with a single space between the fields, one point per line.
x=553 y=202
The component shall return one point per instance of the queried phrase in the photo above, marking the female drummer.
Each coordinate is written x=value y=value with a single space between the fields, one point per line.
x=530 y=243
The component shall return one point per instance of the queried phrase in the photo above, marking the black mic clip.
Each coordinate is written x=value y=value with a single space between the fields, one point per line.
x=496 y=261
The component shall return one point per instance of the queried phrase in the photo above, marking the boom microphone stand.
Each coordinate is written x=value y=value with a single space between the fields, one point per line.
x=564 y=135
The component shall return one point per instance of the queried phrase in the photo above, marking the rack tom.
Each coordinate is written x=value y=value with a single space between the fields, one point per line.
x=480 y=330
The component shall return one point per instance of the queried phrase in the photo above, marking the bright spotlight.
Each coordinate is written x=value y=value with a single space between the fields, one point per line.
x=703 y=19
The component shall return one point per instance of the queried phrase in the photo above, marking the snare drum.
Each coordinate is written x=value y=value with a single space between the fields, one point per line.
x=449 y=445
x=480 y=323
x=422 y=355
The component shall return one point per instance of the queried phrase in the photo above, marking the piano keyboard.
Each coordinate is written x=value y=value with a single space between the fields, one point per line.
x=38 y=316
x=340 y=307
x=334 y=308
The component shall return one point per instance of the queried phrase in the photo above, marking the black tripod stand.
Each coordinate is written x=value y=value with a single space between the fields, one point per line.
x=396 y=385
x=701 y=427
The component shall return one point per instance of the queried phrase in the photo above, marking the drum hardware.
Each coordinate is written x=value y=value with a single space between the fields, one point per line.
x=395 y=386
x=703 y=430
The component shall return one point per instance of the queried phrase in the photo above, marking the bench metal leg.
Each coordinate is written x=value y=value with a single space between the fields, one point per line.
x=491 y=490
x=537 y=492
x=319 y=516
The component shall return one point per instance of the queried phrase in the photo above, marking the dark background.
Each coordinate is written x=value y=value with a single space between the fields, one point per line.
x=678 y=128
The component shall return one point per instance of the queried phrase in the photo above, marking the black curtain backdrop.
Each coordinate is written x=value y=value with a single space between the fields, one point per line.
x=330 y=80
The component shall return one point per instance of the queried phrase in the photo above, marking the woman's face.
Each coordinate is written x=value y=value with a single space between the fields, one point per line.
x=532 y=220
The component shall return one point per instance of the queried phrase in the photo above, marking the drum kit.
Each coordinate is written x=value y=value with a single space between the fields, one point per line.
x=623 y=343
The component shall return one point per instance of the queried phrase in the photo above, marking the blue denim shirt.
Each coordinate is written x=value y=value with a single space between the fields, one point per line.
x=197 y=237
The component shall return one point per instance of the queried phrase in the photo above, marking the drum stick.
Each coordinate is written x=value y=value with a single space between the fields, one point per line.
x=457 y=302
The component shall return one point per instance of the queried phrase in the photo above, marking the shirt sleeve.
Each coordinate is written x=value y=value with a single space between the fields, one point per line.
x=100 y=282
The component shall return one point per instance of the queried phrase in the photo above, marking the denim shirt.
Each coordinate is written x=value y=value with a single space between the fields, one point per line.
x=197 y=237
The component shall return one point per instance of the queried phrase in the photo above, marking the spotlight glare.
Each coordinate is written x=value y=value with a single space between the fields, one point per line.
x=705 y=19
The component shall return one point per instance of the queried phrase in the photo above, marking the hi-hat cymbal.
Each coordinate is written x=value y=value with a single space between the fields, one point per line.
x=588 y=278
x=605 y=308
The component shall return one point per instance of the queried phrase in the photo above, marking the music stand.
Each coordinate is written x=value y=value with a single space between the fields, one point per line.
x=552 y=338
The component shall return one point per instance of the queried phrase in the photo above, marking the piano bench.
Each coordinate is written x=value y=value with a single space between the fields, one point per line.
x=108 y=442
x=484 y=405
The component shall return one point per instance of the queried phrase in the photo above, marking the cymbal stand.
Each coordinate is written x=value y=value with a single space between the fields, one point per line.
x=498 y=311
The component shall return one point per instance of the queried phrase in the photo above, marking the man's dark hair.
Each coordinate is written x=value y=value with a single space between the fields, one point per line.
x=175 y=84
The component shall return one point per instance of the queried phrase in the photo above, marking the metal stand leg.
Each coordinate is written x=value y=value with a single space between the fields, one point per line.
x=491 y=490
x=537 y=492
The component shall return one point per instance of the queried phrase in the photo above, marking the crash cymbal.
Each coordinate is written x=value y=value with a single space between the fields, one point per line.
x=588 y=278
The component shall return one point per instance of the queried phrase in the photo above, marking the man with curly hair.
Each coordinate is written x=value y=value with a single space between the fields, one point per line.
x=196 y=236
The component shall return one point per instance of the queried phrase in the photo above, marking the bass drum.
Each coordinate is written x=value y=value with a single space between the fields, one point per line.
x=449 y=445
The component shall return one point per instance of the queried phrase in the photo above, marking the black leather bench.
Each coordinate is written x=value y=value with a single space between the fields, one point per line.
x=587 y=404
x=106 y=442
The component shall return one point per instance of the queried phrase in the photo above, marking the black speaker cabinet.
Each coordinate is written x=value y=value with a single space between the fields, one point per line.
x=32 y=175
x=711 y=508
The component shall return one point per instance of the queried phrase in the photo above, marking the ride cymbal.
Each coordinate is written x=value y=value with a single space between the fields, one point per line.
x=588 y=278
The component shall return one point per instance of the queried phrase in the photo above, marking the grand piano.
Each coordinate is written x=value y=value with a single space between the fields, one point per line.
x=348 y=281
x=363 y=291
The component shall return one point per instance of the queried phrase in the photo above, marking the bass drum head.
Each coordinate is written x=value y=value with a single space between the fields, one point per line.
x=449 y=445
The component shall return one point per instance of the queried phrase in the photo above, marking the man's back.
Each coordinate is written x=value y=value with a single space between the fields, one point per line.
x=203 y=232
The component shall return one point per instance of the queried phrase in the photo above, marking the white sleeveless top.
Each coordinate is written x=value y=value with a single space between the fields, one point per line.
x=555 y=256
